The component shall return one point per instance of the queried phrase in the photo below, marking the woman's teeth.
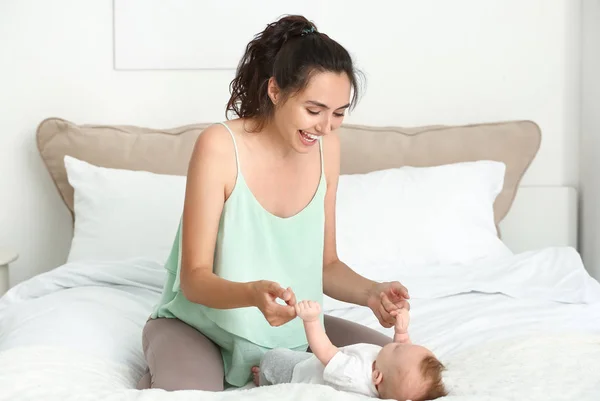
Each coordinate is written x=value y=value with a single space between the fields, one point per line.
x=309 y=136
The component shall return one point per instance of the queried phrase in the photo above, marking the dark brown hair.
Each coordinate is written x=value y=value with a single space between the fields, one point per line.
x=290 y=50
x=432 y=369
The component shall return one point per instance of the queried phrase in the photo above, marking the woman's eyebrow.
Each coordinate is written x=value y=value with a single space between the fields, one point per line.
x=325 y=106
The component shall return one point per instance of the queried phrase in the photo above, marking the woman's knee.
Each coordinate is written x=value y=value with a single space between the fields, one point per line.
x=145 y=382
x=179 y=357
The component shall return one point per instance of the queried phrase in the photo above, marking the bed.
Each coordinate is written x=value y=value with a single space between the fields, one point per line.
x=498 y=290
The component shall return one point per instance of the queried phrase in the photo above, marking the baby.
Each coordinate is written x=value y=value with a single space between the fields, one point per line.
x=399 y=370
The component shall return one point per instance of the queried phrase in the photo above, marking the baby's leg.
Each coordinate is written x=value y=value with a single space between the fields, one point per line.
x=277 y=366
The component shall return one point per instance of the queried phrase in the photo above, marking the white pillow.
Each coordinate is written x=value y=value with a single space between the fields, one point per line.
x=122 y=214
x=410 y=216
x=418 y=216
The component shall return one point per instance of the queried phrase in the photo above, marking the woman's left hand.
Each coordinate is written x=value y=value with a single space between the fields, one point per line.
x=384 y=298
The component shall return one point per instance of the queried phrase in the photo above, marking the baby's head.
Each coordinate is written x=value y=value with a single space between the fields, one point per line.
x=408 y=372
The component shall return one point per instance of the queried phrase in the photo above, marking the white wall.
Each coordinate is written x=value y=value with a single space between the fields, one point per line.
x=443 y=62
x=590 y=138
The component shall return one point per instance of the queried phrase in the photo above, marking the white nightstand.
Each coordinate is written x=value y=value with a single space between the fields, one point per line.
x=7 y=256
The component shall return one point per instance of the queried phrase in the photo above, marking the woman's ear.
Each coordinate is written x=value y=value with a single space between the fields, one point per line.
x=273 y=90
x=377 y=376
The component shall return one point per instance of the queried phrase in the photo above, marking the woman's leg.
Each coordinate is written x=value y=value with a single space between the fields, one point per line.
x=343 y=332
x=179 y=357
x=144 y=382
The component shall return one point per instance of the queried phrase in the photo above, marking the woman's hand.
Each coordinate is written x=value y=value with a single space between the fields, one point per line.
x=265 y=294
x=385 y=298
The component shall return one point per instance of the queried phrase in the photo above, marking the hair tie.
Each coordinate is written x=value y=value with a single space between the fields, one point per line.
x=307 y=31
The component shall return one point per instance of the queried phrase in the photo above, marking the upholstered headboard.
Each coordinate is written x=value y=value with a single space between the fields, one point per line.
x=364 y=148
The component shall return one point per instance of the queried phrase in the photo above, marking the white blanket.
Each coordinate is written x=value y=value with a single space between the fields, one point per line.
x=550 y=274
x=75 y=332
x=528 y=369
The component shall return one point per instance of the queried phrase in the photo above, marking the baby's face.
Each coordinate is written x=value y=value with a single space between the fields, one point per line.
x=400 y=365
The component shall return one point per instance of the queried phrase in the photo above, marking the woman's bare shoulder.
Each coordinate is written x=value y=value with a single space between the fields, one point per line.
x=214 y=140
x=214 y=150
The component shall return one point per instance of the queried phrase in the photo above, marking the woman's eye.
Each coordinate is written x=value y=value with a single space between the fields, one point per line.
x=315 y=113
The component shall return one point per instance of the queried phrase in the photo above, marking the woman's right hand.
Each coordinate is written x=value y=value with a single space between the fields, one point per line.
x=265 y=294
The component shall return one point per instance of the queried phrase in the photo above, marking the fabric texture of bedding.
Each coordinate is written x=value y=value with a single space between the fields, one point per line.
x=493 y=325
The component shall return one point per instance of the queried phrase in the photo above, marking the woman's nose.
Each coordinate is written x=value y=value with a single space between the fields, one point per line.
x=324 y=127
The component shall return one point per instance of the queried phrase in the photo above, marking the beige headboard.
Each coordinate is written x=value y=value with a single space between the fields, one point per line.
x=364 y=148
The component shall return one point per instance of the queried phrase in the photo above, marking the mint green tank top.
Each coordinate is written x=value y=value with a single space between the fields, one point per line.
x=253 y=244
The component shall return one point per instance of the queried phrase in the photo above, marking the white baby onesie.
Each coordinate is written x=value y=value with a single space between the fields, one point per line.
x=349 y=370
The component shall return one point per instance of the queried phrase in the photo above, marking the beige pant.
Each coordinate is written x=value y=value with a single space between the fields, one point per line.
x=179 y=357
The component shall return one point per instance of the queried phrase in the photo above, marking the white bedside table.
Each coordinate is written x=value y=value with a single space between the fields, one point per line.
x=7 y=256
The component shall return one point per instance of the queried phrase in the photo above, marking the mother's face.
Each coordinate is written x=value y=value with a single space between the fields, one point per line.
x=315 y=111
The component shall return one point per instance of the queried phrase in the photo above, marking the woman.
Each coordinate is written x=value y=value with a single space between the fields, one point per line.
x=258 y=226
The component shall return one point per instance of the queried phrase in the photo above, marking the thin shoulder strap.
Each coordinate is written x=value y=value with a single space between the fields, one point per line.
x=322 y=156
x=237 y=160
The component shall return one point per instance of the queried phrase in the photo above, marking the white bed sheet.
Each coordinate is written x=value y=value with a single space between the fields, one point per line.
x=456 y=308
x=92 y=314
x=466 y=321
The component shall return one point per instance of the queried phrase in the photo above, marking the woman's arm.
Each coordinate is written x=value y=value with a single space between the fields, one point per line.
x=339 y=280
x=207 y=180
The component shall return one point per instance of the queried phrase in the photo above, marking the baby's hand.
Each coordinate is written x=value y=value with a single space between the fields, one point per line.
x=402 y=320
x=401 y=326
x=308 y=310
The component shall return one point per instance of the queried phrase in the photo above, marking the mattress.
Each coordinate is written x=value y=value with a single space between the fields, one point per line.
x=524 y=326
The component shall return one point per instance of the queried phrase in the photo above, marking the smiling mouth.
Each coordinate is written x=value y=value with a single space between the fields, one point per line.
x=307 y=137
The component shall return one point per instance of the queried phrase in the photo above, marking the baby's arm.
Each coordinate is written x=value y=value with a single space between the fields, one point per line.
x=320 y=344
x=401 y=327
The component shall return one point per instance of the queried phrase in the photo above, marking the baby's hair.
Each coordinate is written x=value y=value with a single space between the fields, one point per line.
x=431 y=369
